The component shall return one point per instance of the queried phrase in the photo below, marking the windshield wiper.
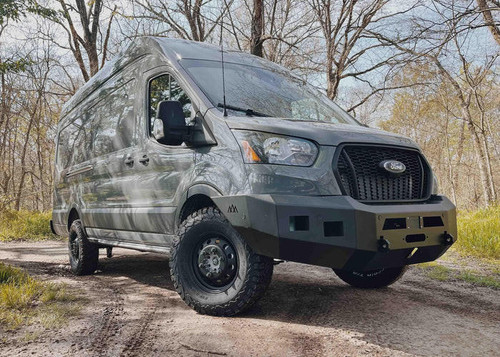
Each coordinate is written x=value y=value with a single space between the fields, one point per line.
x=249 y=112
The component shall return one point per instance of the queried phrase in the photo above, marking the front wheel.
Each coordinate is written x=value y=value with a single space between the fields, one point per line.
x=213 y=269
x=371 y=279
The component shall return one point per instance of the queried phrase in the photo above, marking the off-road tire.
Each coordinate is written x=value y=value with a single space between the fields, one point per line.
x=371 y=279
x=253 y=275
x=85 y=260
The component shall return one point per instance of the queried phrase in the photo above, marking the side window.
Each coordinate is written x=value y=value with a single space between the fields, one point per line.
x=81 y=145
x=165 y=87
x=159 y=90
x=114 y=121
x=74 y=142
x=178 y=94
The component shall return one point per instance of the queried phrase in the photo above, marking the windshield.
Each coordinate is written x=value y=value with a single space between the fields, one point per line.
x=263 y=91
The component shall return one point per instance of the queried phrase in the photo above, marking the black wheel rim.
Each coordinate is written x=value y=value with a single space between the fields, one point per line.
x=215 y=263
x=74 y=246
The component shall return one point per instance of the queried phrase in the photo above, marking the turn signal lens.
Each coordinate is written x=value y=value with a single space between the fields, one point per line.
x=249 y=153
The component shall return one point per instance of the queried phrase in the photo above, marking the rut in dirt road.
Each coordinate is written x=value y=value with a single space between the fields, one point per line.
x=134 y=344
x=108 y=324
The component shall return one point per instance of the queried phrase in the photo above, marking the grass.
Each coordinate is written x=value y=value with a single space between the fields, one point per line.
x=479 y=233
x=25 y=225
x=481 y=280
x=439 y=272
x=26 y=300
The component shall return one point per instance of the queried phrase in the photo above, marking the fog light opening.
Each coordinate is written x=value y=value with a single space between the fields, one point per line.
x=333 y=229
x=299 y=223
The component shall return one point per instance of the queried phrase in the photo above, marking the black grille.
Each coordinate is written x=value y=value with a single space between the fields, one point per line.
x=358 y=170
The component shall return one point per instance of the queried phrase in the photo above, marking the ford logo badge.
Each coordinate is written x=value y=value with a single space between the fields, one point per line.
x=393 y=166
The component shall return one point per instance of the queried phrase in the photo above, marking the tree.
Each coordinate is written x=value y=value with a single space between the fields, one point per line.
x=189 y=20
x=86 y=34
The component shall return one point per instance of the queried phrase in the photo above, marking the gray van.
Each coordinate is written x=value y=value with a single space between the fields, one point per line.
x=231 y=167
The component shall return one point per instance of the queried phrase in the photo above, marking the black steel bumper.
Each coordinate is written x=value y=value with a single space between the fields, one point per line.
x=340 y=232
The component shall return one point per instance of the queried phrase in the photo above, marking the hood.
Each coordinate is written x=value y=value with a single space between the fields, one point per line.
x=322 y=133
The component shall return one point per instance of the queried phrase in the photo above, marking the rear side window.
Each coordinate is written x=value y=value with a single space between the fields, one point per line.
x=75 y=142
x=165 y=87
x=114 y=120
x=106 y=126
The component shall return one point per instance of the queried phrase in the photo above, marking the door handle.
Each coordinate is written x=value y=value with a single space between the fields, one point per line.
x=129 y=161
x=144 y=160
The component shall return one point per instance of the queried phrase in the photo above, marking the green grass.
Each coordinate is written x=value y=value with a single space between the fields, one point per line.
x=25 y=225
x=479 y=233
x=439 y=272
x=481 y=280
x=25 y=300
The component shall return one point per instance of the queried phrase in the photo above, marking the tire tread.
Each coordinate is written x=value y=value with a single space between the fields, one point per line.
x=256 y=280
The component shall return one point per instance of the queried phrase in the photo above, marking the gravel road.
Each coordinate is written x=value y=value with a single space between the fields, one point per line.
x=131 y=309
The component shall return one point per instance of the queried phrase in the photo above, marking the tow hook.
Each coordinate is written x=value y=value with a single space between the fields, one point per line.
x=447 y=238
x=383 y=245
x=109 y=252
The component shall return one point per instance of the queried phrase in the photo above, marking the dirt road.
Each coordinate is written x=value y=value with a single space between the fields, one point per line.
x=132 y=309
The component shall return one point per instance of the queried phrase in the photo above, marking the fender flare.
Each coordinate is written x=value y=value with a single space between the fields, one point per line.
x=196 y=189
x=78 y=210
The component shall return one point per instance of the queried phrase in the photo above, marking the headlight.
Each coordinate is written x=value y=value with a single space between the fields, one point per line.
x=266 y=148
x=435 y=185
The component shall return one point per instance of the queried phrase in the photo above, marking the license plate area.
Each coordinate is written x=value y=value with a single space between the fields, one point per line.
x=413 y=238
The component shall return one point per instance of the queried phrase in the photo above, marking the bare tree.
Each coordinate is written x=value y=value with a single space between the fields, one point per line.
x=84 y=33
x=192 y=20
x=343 y=24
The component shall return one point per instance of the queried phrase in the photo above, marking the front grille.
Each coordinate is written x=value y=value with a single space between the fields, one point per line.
x=358 y=169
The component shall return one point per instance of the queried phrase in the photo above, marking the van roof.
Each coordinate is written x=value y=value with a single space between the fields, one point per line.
x=172 y=50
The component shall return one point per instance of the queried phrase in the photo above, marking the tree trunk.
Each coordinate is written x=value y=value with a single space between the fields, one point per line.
x=257 y=36
x=488 y=19
x=481 y=159
x=333 y=79
x=489 y=169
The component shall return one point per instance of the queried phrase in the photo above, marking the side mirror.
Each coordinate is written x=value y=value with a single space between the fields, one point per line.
x=173 y=128
x=158 y=130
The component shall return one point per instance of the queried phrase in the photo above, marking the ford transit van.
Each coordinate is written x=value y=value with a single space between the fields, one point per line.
x=231 y=167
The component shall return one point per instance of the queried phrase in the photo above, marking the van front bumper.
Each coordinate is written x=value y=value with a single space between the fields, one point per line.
x=340 y=232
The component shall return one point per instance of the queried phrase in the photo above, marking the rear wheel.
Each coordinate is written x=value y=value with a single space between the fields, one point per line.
x=83 y=255
x=213 y=269
x=371 y=279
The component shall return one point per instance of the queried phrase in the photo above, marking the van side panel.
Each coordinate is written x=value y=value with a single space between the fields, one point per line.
x=73 y=159
x=98 y=126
